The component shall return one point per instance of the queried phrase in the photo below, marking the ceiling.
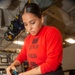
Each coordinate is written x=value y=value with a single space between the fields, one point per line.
x=61 y=14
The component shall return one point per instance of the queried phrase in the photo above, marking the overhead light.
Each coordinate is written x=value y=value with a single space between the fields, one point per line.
x=70 y=40
x=18 y=42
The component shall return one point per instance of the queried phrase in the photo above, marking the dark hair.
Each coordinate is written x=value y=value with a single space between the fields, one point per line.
x=32 y=8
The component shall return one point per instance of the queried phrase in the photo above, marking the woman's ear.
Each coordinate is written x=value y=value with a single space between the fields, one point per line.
x=26 y=32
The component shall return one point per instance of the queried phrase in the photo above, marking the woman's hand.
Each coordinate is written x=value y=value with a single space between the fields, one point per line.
x=12 y=67
x=35 y=71
x=9 y=69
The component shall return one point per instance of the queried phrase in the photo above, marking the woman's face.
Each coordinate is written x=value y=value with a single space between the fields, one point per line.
x=32 y=23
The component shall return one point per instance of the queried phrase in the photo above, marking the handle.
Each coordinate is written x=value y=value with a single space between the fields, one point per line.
x=15 y=72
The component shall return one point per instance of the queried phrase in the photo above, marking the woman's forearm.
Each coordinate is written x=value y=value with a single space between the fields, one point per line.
x=16 y=63
x=35 y=71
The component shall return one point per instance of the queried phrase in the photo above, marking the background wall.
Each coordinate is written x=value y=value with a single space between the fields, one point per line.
x=69 y=58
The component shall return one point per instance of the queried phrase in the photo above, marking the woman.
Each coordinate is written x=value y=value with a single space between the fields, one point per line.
x=42 y=47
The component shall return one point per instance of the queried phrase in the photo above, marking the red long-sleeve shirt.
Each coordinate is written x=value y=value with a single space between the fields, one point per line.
x=44 y=49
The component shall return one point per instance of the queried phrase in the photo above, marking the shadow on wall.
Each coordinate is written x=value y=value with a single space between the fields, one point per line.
x=14 y=4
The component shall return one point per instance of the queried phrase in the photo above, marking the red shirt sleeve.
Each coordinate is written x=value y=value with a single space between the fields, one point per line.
x=22 y=55
x=54 y=51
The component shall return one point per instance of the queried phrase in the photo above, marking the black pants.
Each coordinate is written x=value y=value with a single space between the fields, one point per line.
x=59 y=71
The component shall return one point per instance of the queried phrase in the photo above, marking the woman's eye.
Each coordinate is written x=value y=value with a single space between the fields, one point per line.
x=32 y=22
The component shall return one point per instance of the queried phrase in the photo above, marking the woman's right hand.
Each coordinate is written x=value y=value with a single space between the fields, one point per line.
x=9 y=69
